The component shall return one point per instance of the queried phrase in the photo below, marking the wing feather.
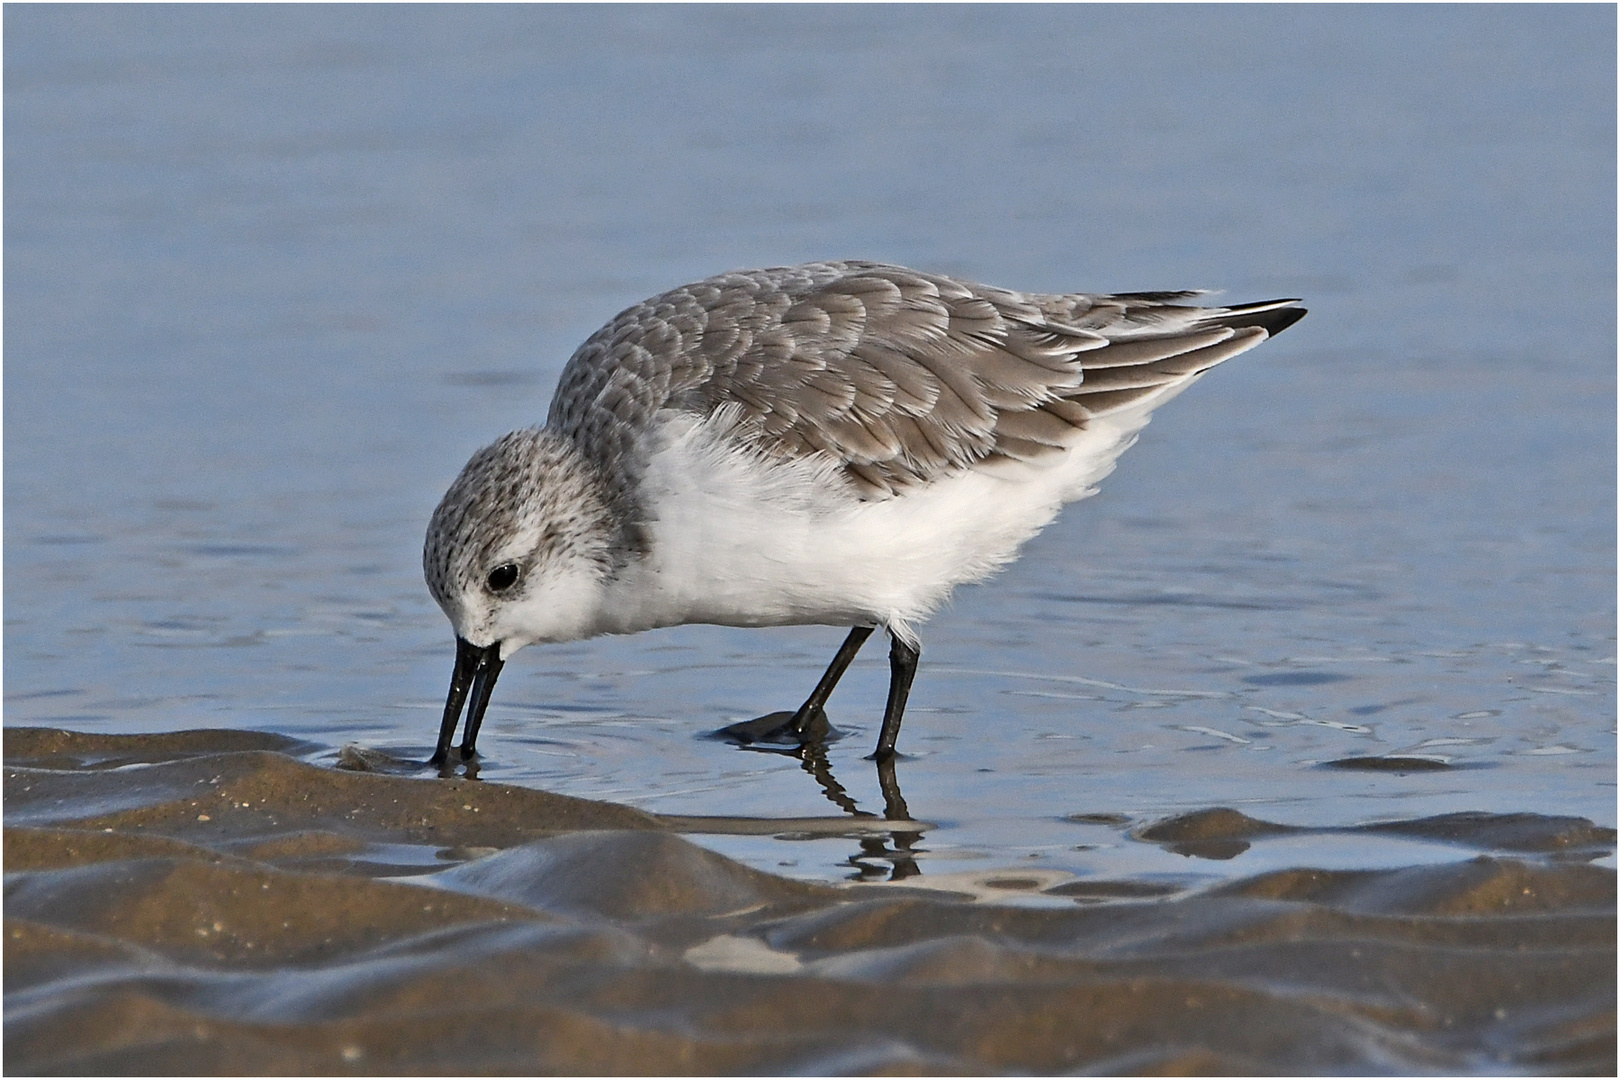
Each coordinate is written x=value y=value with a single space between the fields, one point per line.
x=1149 y=350
x=900 y=377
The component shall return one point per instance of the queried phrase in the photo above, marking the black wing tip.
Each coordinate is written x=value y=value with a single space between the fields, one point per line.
x=1272 y=316
x=1161 y=296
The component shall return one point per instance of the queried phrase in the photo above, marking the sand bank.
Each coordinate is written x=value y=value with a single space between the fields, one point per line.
x=206 y=902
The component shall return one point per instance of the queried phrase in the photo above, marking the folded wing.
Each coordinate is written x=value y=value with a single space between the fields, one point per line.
x=901 y=377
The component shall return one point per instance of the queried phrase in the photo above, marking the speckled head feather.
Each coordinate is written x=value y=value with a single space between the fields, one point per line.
x=527 y=500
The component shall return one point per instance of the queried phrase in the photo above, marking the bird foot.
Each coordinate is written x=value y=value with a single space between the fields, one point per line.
x=781 y=729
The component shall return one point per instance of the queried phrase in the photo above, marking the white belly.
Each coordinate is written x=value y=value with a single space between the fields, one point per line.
x=741 y=540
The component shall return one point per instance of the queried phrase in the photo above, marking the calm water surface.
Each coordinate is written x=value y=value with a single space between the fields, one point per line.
x=272 y=274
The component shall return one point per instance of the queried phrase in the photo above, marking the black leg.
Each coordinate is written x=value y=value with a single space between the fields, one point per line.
x=902 y=669
x=829 y=679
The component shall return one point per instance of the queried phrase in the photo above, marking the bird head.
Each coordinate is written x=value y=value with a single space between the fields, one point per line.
x=516 y=553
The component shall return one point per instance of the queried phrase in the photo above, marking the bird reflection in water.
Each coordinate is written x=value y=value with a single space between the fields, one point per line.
x=881 y=856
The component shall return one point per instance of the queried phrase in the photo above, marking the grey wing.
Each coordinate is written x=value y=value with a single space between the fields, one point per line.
x=902 y=377
x=1157 y=344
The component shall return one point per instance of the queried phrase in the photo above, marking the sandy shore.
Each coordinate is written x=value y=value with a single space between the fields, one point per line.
x=206 y=902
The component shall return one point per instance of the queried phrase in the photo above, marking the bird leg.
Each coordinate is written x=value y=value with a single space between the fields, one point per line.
x=829 y=679
x=902 y=669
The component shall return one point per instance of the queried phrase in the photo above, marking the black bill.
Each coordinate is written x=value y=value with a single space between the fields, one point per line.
x=476 y=669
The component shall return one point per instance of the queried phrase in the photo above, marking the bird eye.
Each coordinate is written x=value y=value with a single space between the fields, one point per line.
x=503 y=577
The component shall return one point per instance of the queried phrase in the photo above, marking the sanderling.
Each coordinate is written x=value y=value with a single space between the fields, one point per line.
x=839 y=443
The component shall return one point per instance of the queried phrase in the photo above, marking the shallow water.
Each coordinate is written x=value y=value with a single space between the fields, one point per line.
x=273 y=274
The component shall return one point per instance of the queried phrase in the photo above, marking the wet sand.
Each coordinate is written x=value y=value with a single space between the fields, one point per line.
x=207 y=902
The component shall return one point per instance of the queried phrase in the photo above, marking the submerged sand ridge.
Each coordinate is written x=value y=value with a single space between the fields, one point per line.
x=207 y=902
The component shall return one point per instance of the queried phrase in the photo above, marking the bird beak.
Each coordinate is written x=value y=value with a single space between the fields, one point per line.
x=477 y=668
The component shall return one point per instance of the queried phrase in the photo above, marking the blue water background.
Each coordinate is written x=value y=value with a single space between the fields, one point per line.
x=273 y=273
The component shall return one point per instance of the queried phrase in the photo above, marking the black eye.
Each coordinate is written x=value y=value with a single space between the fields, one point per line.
x=503 y=577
